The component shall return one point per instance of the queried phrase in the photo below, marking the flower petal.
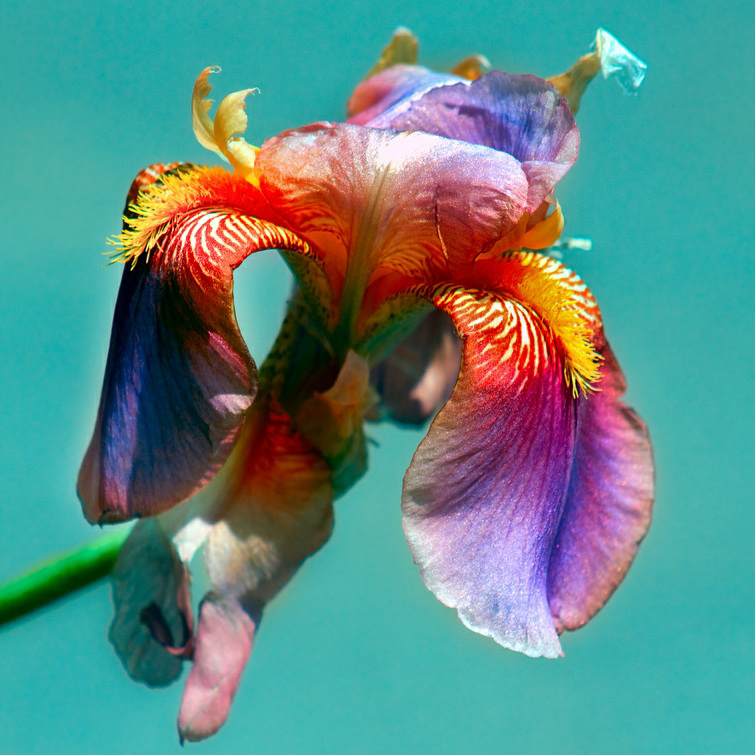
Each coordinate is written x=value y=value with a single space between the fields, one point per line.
x=392 y=90
x=179 y=378
x=391 y=208
x=521 y=115
x=224 y=642
x=152 y=627
x=608 y=505
x=484 y=494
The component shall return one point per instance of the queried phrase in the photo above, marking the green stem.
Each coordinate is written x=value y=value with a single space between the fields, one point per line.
x=60 y=576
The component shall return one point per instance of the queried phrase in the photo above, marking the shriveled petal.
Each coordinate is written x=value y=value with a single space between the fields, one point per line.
x=179 y=378
x=152 y=627
x=392 y=90
x=417 y=377
x=224 y=641
x=521 y=115
x=484 y=494
x=390 y=207
x=608 y=504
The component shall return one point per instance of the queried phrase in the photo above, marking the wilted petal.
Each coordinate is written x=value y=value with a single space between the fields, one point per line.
x=179 y=378
x=608 y=504
x=484 y=494
x=152 y=627
x=521 y=115
x=224 y=641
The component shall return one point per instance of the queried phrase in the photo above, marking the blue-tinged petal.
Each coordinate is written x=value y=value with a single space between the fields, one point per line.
x=521 y=115
x=390 y=92
x=484 y=494
x=152 y=627
x=608 y=504
x=179 y=378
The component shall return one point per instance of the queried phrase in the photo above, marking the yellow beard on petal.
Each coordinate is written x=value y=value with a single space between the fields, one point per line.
x=159 y=205
x=565 y=304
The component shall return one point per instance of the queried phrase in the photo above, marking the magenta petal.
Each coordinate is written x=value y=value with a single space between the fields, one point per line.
x=608 y=505
x=224 y=642
x=521 y=115
x=417 y=377
x=152 y=627
x=484 y=493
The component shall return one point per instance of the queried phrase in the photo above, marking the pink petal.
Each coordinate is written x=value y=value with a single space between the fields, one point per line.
x=224 y=641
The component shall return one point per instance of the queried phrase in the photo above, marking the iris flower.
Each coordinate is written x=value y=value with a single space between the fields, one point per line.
x=417 y=233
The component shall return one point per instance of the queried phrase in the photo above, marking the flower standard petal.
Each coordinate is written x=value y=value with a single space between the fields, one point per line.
x=521 y=115
x=179 y=378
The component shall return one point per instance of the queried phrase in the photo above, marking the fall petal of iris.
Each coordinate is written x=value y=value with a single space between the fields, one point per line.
x=179 y=378
x=608 y=504
x=484 y=494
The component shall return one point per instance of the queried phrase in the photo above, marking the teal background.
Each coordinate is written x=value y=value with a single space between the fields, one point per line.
x=356 y=656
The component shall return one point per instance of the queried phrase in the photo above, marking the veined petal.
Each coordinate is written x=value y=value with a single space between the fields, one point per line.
x=390 y=209
x=277 y=508
x=608 y=504
x=521 y=115
x=179 y=378
x=484 y=494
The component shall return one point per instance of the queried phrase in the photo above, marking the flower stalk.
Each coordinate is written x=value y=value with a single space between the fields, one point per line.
x=60 y=576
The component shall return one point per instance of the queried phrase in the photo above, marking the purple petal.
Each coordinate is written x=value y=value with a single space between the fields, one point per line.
x=521 y=115
x=484 y=493
x=392 y=90
x=178 y=382
x=417 y=377
x=152 y=627
x=224 y=641
x=608 y=505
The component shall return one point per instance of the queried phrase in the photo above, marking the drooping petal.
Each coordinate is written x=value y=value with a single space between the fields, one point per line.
x=152 y=627
x=179 y=378
x=224 y=642
x=417 y=377
x=521 y=115
x=608 y=504
x=484 y=494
